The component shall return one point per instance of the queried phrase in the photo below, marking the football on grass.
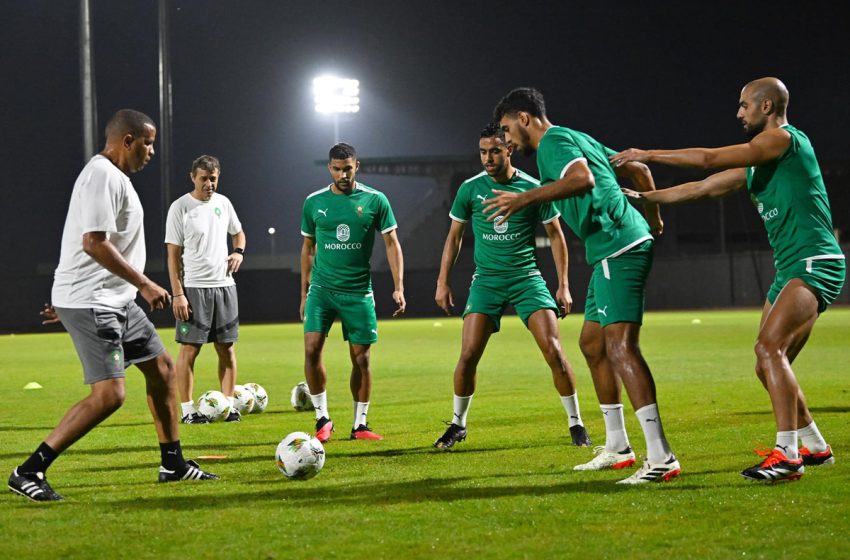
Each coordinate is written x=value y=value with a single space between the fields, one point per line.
x=301 y=397
x=214 y=405
x=261 y=398
x=300 y=456
x=243 y=399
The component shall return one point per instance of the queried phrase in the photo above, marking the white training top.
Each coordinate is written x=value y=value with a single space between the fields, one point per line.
x=201 y=228
x=103 y=199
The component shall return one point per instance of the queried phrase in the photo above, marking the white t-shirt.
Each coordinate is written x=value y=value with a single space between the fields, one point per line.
x=103 y=199
x=201 y=228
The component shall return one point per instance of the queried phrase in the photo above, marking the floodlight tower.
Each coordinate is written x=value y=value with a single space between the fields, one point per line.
x=335 y=96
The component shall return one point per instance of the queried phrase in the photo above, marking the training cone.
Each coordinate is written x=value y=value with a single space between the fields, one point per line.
x=31 y=385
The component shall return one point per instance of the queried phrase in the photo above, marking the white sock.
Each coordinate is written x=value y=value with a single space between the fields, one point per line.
x=320 y=403
x=616 y=439
x=657 y=448
x=360 y=411
x=461 y=409
x=812 y=439
x=188 y=407
x=571 y=406
x=230 y=403
x=786 y=442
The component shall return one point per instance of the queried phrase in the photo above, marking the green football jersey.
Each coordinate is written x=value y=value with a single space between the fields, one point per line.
x=344 y=229
x=602 y=218
x=791 y=199
x=507 y=248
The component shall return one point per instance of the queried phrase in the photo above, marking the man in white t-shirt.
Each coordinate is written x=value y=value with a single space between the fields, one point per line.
x=101 y=268
x=201 y=269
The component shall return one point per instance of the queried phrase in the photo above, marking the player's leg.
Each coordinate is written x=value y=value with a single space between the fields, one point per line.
x=227 y=374
x=544 y=328
x=360 y=329
x=617 y=452
x=319 y=314
x=97 y=338
x=786 y=325
x=185 y=374
x=224 y=335
x=477 y=329
x=160 y=386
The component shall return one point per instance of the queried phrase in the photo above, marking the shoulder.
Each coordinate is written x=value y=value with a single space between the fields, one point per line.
x=367 y=191
x=524 y=177
x=316 y=194
x=475 y=178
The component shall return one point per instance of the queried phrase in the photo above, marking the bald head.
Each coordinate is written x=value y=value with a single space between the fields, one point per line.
x=128 y=121
x=771 y=89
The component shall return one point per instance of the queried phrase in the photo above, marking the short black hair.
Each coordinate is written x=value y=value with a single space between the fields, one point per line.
x=493 y=130
x=128 y=121
x=342 y=151
x=525 y=99
x=207 y=163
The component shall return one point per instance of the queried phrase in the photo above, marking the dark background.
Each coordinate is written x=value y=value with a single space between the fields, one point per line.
x=648 y=75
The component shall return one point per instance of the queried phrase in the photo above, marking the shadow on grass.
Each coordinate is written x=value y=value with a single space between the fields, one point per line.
x=382 y=493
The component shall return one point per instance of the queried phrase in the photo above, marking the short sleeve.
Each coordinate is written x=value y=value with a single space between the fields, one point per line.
x=547 y=212
x=101 y=198
x=461 y=210
x=556 y=154
x=386 y=219
x=174 y=225
x=235 y=226
x=308 y=225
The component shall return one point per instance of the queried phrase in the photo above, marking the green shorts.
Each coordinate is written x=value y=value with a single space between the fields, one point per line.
x=356 y=312
x=618 y=286
x=824 y=275
x=490 y=295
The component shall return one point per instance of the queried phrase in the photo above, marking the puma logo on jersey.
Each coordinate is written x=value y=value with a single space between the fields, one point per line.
x=374 y=331
x=603 y=311
x=482 y=197
x=323 y=212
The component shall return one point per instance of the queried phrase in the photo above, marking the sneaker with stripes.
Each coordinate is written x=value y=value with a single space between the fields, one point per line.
x=33 y=486
x=655 y=472
x=776 y=467
x=608 y=459
x=192 y=471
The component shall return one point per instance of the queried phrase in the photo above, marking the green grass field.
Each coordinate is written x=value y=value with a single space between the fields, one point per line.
x=507 y=492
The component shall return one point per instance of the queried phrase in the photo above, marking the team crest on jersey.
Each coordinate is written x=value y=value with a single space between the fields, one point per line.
x=343 y=232
x=218 y=212
x=359 y=211
x=500 y=228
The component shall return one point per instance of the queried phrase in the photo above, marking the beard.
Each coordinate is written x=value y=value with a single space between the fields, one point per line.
x=753 y=130
x=525 y=139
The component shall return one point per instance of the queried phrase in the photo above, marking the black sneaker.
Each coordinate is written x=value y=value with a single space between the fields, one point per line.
x=33 y=486
x=579 y=435
x=453 y=435
x=234 y=416
x=195 y=418
x=191 y=471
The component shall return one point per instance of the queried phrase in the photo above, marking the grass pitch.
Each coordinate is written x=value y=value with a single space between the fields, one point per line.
x=507 y=492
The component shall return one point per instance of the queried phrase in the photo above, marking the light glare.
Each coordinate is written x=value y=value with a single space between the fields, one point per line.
x=336 y=95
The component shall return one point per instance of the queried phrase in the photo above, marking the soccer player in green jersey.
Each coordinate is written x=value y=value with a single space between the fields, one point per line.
x=506 y=273
x=338 y=224
x=576 y=174
x=779 y=169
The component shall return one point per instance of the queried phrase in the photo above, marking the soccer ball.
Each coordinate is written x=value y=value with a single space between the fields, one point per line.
x=214 y=405
x=261 y=398
x=243 y=399
x=301 y=397
x=300 y=456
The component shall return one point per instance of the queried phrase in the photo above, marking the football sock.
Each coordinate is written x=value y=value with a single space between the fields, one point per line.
x=39 y=460
x=320 y=403
x=360 y=411
x=571 y=406
x=616 y=439
x=657 y=448
x=172 y=455
x=812 y=438
x=230 y=402
x=187 y=407
x=461 y=409
x=786 y=442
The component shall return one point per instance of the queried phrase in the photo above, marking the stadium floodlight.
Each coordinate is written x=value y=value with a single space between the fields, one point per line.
x=336 y=96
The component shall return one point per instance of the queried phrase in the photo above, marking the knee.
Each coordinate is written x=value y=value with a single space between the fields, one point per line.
x=362 y=362
x=111 y=397
x=592 y=349
x=165 y=365
x=226 y=352
x=766 y=351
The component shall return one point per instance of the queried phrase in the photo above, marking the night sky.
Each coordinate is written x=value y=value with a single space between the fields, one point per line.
x=631 y=74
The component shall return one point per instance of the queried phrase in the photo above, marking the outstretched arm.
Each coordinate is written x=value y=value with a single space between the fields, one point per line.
x=576 y=181
x=308 y=252
x=396 y=262
x=765 y=147
x=561 y=257
x=641 y=178
x=714 y=186
x=451 y=249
